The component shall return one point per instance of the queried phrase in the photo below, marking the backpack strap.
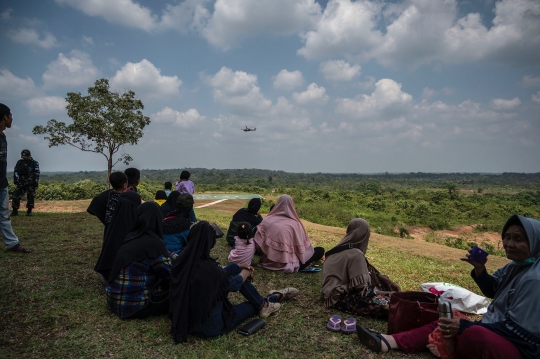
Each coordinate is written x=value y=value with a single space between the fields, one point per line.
x=341 y=249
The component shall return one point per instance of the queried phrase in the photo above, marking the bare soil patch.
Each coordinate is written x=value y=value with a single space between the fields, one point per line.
x=467 y=233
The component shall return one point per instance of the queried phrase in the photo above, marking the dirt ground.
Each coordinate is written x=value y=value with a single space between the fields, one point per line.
x=466 y=232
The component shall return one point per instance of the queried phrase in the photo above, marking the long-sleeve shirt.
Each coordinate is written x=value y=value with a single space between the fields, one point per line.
x=129 y=292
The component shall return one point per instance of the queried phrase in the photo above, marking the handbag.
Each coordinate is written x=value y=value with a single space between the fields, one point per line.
x=219 y=232
x=410 y=310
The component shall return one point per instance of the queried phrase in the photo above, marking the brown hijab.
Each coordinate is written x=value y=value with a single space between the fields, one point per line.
x=347 y=269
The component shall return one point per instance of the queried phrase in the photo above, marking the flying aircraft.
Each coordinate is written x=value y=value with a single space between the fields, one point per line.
x=247 y=129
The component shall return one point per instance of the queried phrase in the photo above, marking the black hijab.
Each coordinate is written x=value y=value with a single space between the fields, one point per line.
x=197 y=284
x=249 y=214
x=178 y=221
x=144 y=241
x=170 y=204
x=122 y=222
x=161 y=194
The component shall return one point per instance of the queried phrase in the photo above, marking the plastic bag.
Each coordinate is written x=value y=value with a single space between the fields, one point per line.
x=462 y=299
x=446 y=347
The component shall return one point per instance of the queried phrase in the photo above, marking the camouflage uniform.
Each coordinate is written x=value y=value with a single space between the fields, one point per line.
x=26 y=177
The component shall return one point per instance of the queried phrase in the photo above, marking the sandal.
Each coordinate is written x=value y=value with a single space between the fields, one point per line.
x=371 y=339
x=310 y=270
x=334 y=323
x=18 y=249
x=349 y=326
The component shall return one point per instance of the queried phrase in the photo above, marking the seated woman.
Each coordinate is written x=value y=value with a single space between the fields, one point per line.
x=283 y=241
x=250 y=215
x=349 y=282
x=244 y=248
x=170 y=203
x=176 y=225
x=511 y=326
x=140 y=263
x=199 y=290
x=160 y=197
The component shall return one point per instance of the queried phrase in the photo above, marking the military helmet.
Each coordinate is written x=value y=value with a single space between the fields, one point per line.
x=26 y=153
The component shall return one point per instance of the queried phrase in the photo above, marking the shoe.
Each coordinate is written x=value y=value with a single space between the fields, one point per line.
x=29 y=213
x=287 y=293
x=18 y=249
x=272 y=308
x=15 y=212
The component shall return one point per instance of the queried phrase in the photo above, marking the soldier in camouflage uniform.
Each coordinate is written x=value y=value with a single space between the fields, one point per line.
x=26 y=177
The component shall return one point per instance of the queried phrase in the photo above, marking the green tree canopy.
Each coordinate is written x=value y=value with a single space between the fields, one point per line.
x=103 y=122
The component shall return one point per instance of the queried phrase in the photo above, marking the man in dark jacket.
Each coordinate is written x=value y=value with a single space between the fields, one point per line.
x=26 y=178
x=10 y=239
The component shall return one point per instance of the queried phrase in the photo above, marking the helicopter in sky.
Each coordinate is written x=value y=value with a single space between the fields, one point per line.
x=247 y=129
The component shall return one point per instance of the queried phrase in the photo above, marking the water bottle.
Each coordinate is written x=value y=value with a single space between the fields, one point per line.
x=445 y=309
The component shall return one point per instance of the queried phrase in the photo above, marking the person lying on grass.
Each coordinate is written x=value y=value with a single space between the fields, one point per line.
x=117 y=210
x=250 y=215
x=142 y=261
x=511 y=326
x=283 y=240
x=176 y=224
x=349 y=283
x=200 y=287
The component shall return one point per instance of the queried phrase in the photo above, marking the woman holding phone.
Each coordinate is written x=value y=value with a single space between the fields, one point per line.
x=511 y=326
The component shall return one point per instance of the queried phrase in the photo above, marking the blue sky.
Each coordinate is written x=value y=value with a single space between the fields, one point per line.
x=332 y=86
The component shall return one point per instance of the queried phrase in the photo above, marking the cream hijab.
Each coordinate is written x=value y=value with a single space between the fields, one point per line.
x=347 y=269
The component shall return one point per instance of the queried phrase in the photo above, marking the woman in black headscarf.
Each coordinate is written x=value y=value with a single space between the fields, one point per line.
x=199 y=290
x=250 y=215
x=170 y=204
x=141 y=262
x=177 y=223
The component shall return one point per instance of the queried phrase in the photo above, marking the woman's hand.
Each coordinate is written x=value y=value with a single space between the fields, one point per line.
x=479 y=267
x=250 y=271
x=449 y=327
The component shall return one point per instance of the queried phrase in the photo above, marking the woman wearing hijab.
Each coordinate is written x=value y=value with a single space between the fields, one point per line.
x=142 y=261
x=170 y=204
x=283 y=240
x=511 y=326
x=176 y=224
x=199 y=290
x=160 y=197
x=250 y=215
x=349 y=282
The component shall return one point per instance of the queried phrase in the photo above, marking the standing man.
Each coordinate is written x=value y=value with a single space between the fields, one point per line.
x=26 y=177
x=10 y=239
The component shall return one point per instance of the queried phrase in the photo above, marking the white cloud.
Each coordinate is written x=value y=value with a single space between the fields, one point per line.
x=238 y=91
x=181 y=119
x=12 y=86
x=190 y=15
x=6 y=14
x=144 y=78
x=536 y=97
x=75 y=70
x=314 y=95
x=32 y=37
x=27 y=138
x=288 y=80
x=46 y=105
x=234 y=20
x=428 y=93
x=123 y=12
x=88 y=40
x=501 y=104
x=339 y=70
x=531 y=81
x=386 y=97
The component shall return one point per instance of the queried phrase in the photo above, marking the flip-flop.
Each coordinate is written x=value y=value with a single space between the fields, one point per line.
x=310 y=270
x=349 y=326
x=334 y=323
x=370 y=338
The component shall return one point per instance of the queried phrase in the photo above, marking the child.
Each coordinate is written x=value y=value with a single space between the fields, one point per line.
x=244 y=247
x=160 y=197
x=168 y=188
x=119 y=183
x=185 y=185
x=134 y=177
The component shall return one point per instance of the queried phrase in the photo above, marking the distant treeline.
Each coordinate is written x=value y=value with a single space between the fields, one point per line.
x=219 y=179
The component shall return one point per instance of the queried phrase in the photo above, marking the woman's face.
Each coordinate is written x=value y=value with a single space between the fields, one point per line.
x=516 y=243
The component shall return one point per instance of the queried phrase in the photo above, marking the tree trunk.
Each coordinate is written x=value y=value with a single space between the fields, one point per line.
x=109 y=170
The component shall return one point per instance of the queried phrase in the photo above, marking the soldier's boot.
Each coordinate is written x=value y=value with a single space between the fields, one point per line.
x=29 y=212
x=15 y=212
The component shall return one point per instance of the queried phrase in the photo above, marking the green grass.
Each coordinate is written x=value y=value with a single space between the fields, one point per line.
x=53 y=305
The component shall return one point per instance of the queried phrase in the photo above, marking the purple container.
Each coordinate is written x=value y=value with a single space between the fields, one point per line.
x=478 y=254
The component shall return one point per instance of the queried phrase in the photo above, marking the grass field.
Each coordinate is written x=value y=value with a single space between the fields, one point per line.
x=53 y=305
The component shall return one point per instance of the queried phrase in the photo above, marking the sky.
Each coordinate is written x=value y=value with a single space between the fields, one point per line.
x=331 y=86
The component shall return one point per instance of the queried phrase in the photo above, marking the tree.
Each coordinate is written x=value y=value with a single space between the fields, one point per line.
x=103 y=122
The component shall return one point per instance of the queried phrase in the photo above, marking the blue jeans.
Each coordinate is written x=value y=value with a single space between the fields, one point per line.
x=215 y=326
x=10 y=239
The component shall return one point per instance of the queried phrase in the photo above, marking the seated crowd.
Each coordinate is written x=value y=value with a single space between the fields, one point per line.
x=155 y=260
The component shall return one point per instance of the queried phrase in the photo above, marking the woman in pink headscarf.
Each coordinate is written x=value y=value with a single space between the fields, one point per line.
x=283 y=241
